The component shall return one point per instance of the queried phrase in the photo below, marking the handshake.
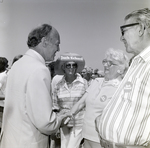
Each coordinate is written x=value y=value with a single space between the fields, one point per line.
x=68 y=118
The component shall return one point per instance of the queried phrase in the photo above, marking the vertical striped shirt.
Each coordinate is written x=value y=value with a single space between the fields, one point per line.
x=126 y=118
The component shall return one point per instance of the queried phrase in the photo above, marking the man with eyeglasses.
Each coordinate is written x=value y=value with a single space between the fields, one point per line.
x=125 y=122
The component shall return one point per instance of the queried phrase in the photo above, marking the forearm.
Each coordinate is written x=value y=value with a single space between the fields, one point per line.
x=79 y=105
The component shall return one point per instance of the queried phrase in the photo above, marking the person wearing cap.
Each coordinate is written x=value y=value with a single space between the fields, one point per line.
x=99 y=94
x=66 y=93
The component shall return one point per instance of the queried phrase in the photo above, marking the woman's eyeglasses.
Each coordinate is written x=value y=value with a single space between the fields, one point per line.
x=70 y=65
x=108 y=63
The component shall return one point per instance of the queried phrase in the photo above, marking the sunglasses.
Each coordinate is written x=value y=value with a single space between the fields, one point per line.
x=71 y=65
x=125 y=26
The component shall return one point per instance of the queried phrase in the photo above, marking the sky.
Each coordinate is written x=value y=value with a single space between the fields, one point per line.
x=86 y=27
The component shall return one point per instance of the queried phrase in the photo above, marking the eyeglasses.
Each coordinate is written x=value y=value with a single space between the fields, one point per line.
x=71 y=65
x=128 y=25
x=109 y=63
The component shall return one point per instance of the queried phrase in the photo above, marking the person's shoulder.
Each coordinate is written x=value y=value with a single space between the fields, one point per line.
x=3 y=75
x=56 y=79
x=85 y=81
x=96 y=82
x=60 y=82
x=81 y=79
x=98 y=79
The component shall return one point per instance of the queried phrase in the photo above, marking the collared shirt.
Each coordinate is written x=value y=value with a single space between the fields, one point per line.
x=126 y=118
x=99 y=94
x=65 y=97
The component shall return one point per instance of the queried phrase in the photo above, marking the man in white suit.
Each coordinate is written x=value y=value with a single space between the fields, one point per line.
x=28 y=116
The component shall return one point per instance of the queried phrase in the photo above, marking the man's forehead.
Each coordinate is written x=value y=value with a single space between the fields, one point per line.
x=129 y=21
x=55 y=35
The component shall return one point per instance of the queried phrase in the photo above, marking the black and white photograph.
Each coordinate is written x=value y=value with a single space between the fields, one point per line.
x=74 y=73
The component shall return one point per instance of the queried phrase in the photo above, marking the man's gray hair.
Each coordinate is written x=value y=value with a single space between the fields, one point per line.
x=141 y=15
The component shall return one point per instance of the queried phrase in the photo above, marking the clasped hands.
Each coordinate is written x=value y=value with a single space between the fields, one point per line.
x=69 y=118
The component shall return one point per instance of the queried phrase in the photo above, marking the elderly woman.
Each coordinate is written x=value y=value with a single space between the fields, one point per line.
x=66 y=93
x=99 y=93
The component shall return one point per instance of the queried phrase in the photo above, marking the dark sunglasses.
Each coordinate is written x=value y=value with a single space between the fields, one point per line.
x=69 y=65
x=128 y=25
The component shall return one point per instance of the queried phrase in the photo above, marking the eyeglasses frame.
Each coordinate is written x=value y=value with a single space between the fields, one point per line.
x=109 y=63
x=128 y=25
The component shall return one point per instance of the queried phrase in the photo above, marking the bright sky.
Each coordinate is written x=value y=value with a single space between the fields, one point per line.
x=86 y=27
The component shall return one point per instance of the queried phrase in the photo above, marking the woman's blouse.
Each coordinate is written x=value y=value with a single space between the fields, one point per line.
x=99 y=94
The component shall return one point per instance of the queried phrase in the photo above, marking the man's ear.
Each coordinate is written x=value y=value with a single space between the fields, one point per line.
x=141 y=29
x=147 y=26
x=44 y=42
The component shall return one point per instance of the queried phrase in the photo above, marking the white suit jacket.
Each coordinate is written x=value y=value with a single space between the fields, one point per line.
x=28 y=117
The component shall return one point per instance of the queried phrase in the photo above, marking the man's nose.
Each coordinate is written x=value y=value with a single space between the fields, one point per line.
x=121 y=38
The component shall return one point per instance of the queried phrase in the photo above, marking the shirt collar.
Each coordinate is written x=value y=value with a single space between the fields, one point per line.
x=35 y=54
x=78 y=79
x=145 y=54
x=114 y=82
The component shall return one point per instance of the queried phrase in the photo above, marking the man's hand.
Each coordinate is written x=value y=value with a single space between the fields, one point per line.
x=63 y=115
x=69 y=121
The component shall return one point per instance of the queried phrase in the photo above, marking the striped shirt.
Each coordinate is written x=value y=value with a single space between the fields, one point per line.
x=126 y=118
x=64 y=96
x=99 y=94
